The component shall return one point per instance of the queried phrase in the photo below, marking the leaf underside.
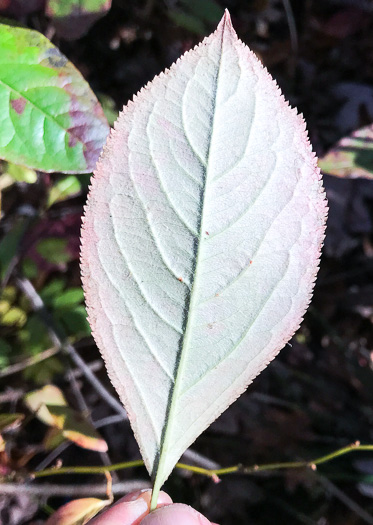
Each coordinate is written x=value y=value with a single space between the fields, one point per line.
x=200 y=242
x=50 y=119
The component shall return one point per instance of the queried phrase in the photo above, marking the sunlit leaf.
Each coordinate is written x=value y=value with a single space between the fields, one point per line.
x=14 y=317
x=352 y=156
x=63 y=189
x=69 y=298
x=50 y=119
x=201 y=242
x=50 y=406
x=37 y=400
x=21 y=173
x=77 y=512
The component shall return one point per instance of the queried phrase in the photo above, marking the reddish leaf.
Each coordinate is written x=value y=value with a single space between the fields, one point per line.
x=77 y=512
x=50 y=406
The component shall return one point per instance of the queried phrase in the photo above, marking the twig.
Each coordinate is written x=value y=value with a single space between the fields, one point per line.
x=18 y=367
x=59 y=340
x=83 y=407
x=53 y=455
x=200 y=460
x=11 y=395
x=213 y=473
x=87 y=470
x=98 y=489
x=110 y=420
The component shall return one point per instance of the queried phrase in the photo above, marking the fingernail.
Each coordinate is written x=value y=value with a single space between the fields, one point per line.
x=175 y=514
x=136 y=495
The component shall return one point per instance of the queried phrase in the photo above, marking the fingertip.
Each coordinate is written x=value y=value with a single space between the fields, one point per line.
x=176 y=513
x=131 y=509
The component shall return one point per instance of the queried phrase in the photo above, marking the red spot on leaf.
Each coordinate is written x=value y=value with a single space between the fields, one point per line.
x=73 y=140
x=251 y=262
x=207 y=233
x=180 y=279
x=18 y=104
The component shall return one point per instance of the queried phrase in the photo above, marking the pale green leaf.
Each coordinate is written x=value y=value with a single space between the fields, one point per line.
x=200 y=243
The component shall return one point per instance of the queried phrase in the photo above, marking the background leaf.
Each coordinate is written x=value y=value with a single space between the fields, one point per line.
x=50 y=406
x=352 y=156
x=77 y=512
x=201 y=242
x=50 y=118
x=73 y=18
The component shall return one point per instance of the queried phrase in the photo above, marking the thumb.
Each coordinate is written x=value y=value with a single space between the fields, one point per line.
x=175 y=514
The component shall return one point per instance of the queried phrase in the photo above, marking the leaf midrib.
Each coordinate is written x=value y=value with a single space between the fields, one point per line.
x=191 y=307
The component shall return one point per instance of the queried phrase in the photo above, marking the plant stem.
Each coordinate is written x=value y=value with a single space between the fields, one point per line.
x=52 y=490
x=213 y=473
x=87 y=470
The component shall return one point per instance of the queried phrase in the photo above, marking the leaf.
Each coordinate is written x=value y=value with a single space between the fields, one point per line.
x=201 y=242
x=21 y=174
x=53 y=438
x=37 y=400
x=49 y=405
x=54 y=250
x=77 y=512
x=68 y=299
x=63 y=189
x=73 y=18
x=50 y=118
x=352 y=156
x=10 y=421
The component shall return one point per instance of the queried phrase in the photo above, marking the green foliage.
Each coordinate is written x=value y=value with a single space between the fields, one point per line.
x=51 y=120
x=54 y=250
x=56 y=8
x=63 y=189
x=21 y=173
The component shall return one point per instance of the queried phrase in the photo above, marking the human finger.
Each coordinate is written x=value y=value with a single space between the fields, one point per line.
x=131 y=509
x=175 y=514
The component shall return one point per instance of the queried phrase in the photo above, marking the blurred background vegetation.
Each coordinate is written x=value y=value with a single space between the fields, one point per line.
x=316 y=396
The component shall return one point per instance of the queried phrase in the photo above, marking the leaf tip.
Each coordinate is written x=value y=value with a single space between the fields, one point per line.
x=226 y=22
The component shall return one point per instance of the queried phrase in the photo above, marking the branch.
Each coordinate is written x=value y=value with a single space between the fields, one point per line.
x=212 y=473
x=98 y=489
x=59 y=340
x=18 y=367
